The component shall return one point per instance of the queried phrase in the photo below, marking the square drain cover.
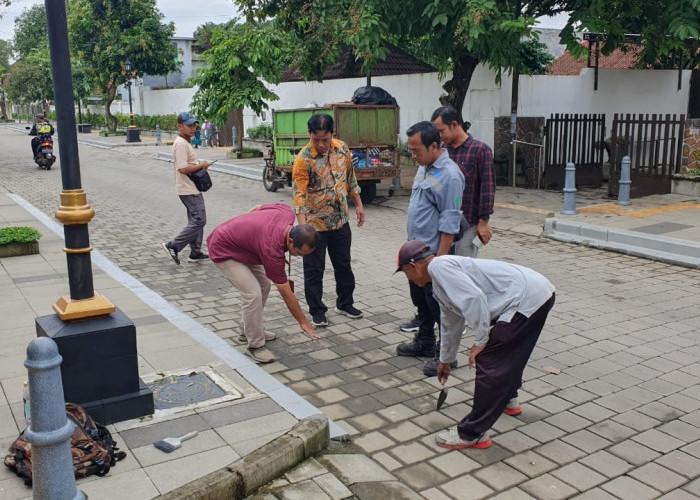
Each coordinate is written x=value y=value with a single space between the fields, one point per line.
x=182 y=390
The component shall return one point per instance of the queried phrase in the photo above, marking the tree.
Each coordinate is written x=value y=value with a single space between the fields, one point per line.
x=667 y=28
x=104 y=34
x=29 y=79
x=236 y=65
x=5 y=56
x=31 y=31
x=453 y=35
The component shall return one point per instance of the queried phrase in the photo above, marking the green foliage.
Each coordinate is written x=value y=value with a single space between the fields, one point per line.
x=18 y=234
x=534 y=58
x=29 y=79
x=31 y=31
x=143 y=122
x=235 y=67
x=5 y=55
x=262 y=131
x=452 y=35
x=666 y=27
x=105 y=34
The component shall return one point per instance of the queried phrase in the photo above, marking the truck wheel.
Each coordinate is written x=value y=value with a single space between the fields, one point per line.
x=268 y=179
x=368 y=191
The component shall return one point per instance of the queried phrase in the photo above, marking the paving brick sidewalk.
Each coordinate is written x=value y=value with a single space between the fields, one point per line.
x=621 y=420
x=229 y=427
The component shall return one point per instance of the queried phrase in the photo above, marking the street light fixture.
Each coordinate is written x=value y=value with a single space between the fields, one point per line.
x=93 y=336
x=132 y=133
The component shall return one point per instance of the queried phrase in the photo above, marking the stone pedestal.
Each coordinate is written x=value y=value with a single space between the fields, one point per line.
x=100 y=365
x=133 y=135
x=84 y=128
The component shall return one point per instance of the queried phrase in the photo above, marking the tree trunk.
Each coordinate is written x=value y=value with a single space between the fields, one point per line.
x=234 y=118
x=110 y=119
x=457 y=87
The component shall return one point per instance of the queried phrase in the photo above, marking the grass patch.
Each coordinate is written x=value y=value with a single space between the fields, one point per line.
x=18 y=234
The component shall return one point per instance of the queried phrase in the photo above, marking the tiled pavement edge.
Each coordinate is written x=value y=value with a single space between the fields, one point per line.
x=227 y=430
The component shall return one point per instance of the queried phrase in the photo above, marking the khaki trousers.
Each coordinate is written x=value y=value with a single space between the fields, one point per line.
x=254 y=287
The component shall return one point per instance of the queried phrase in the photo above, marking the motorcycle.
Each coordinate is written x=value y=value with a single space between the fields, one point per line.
x=45 y=157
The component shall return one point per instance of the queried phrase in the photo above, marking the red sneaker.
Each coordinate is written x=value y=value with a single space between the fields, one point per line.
x=513 y=408
x=449 y=438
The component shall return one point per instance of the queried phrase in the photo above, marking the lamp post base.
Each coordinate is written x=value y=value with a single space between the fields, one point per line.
x=133 y=135
x=100 y=365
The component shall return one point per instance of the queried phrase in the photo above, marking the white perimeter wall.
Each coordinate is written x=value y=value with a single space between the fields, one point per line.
x=417 y=97
x=619 y=91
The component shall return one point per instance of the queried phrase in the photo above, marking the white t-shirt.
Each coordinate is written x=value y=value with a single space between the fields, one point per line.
x=480 y=291
x=183 y=156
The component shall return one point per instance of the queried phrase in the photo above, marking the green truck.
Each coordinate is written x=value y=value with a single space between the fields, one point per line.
x=371 y=133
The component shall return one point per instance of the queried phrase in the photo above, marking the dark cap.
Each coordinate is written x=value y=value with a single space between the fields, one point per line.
x=412 y=251
x=40 y=115
x=186 y=118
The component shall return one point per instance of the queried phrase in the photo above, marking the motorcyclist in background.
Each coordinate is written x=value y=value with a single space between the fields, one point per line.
x=41 y=126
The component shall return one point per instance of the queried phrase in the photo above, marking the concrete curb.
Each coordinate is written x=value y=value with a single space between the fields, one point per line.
x=226 y=168
x=244 y=477
x=659 y=248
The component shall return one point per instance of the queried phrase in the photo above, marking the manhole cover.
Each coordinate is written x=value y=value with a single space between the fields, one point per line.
x=181 y=390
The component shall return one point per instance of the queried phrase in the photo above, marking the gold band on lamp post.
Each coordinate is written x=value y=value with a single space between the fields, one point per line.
x=74 y=210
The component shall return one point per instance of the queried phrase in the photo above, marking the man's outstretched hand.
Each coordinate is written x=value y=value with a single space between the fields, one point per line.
x=309 y=330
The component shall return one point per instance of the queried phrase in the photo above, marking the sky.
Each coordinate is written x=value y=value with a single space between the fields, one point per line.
x=186 y=14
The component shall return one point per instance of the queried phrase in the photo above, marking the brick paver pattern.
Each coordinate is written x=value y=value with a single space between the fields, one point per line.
x=621 y=420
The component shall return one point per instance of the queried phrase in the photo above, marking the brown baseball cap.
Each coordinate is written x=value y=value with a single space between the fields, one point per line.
x=411 y=251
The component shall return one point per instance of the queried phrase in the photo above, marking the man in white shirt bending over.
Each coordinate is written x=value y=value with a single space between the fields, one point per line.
x=506 y=306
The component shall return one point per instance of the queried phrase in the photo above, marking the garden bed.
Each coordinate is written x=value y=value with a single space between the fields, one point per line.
x=16 y=241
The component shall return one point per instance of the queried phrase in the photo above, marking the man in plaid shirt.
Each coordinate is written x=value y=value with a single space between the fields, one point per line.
x=475 y=160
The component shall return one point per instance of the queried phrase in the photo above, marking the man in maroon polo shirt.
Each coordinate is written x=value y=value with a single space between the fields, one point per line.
x=250 y=251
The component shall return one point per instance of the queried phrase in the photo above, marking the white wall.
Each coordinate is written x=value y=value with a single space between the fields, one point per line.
x=417 y=96
x=619 y=91
x=164 y=102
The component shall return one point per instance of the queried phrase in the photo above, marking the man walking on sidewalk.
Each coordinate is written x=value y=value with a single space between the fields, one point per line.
x=433 y=218
x=185 y=162
x=323 y=180
x=506 y=306
x=250 y=251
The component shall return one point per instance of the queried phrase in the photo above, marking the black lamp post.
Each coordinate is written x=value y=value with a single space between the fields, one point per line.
x=94 y=338
x=132 y=133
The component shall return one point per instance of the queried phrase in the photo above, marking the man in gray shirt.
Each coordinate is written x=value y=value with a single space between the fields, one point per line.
x=506 y=306
x=434 y=218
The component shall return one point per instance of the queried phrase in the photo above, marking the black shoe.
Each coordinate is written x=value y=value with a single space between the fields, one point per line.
x=196 y=257
x=349 y=311
x=410 y=326
x=430 y=367
x=172 y=253
x=416 y=348
x=319 y=319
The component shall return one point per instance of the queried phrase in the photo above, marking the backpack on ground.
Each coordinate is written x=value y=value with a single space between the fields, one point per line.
x=92 y=447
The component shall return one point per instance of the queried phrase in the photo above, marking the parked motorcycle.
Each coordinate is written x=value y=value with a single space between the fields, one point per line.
x=44 y=157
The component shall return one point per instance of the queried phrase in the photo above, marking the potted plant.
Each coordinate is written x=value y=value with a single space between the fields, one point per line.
x=20 y=240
